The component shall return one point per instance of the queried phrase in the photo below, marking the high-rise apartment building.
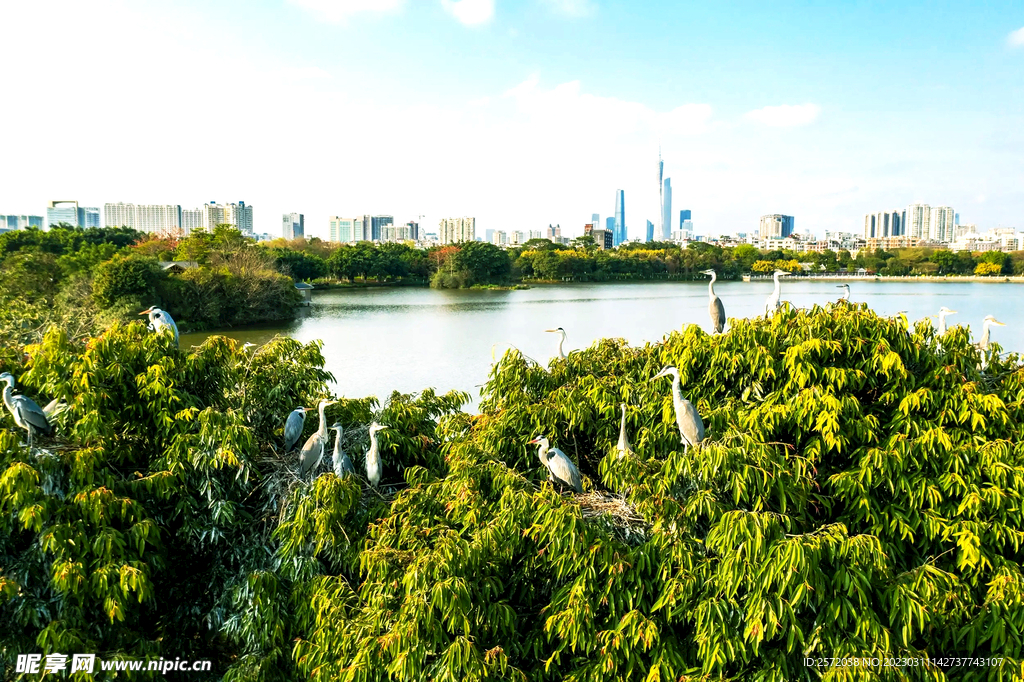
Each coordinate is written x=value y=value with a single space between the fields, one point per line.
x=885 y=224
x=399 y=233
x=554 y=232
x=191 y=219
x=536 y=234
x=71 y=213
x=918 y=221
x=293 y=226
x=775 y=225
x=20 y=222
x=515 y=238
x=499 y=238
x=941 y=224
x=455 y=230
x=666 y=210
x=650 y=231
x=163 y=219
x=619 y=232
x=238 y=216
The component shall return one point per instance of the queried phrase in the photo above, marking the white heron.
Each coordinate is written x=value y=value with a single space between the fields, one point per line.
x=691 y=426
x=27 y=414
x=623 y=447
x=772 y=304
x=560 y=468
x=161 y=320
x=846 y=294
x=715 y=307
x=313 y=451
x=561 y=342
x=985 y=334
x=293 y=427
x=943 y=311
x=373 y=462
x=342 y=464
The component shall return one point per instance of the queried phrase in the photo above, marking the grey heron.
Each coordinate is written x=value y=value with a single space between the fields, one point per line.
x=313 y=451
x=986 y=330
x=560 y=468
x=342 y=464
x=559 y=330
x=715 y=306
x=846 y=294
x=772 y=304
x=623 y=447
x=943 y=311
x=373 y=462
x=293 y=427
x=691 y=426
x=27 y=414
x=161 y=320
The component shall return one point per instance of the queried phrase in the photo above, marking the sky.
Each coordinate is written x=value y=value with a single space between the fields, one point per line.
x=522 y=113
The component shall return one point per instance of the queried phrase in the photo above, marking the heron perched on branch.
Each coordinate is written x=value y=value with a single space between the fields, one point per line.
x=691 y=426
x=313 y=451
x=27 y=414
x=561 y=470
x=161 y=320
x=772 y=304
x=715 y=307
x=293 y=427
x=986 y=330
x=561 y=342
x=623 y=447
x=846 y=294
x=342 y=464
x=373 y=463
x=943 y=311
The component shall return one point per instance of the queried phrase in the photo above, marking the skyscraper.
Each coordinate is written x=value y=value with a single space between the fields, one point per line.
x=164 y=219
x=666 y=211
x=71 y=213
x=918 y=222
x=238 y=216
x=454 y=230
x=942 y=224
x=595 y=220
x=619 y=233
x=885 y=224
x=684 y=215
x=609 y=224
x=342 y=230
x=661 y=190
x=293 y=226
x=650 y=231
x=191 y=219
x=775 y=225
x=20 y=222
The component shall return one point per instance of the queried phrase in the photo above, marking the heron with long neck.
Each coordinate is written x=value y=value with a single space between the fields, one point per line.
x=715 y=306
x=943 y=311
x=846 y=293
x=561 y=341
x=985 y=335
x=560 y=468
x=373 y=463
x=313 y=451
x=772 y=304
x=622 y=447
x=691 y=426
x=161 y=321
x=27 y=414
x=341 y=463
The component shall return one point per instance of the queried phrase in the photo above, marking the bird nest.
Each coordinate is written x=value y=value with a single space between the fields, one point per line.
x=623 y=520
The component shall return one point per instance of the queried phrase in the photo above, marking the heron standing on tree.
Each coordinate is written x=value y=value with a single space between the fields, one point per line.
x=691 y=426
x=559 y=330
x=715 y=306
x=983 y=344
x=846 y=294
x=27 y=414
x=943 y=311
x=293 y=427
x=342 y=464
x=772 y=304
x=313 y=451
x=161 y=320
x=561 y=470
x=373 y=463
x=623 y=447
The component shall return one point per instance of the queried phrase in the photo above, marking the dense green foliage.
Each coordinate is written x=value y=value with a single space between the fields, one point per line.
x=860 y=494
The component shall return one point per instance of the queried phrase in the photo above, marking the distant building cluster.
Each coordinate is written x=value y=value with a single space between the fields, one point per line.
x=171 y=220
x=19 y=222
x=71 y=213
x=455 y=230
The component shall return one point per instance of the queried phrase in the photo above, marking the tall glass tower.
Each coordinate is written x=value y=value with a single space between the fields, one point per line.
x=666 y=210
x=619 y=235
x=650 y=231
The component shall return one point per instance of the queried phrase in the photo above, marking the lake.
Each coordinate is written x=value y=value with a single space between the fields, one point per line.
x=380 y=339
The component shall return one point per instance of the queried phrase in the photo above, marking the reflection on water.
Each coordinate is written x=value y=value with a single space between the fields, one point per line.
x=379 y=340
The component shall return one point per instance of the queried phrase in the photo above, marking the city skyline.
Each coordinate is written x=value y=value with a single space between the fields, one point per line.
x=806 y=108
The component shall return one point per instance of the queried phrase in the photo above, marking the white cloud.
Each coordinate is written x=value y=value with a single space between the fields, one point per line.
x=470 y=12
x=571 y=8
x=1016 y=38
x=785 y=115
x=340 y=10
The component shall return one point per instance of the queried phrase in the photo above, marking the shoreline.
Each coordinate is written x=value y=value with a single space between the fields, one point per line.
x=998 y=279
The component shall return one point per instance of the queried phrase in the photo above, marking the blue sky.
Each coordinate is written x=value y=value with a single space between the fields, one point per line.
x=520 y=113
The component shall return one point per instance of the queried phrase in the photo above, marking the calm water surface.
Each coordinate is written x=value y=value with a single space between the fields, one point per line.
x=378 y=340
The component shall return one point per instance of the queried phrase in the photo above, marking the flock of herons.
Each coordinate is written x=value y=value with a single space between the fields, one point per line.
x=561 y=470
